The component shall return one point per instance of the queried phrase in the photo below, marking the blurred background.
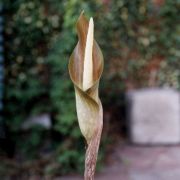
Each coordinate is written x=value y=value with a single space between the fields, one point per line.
x=40 y=136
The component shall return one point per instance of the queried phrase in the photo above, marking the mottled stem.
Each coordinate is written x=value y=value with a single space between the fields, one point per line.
x=92 y=152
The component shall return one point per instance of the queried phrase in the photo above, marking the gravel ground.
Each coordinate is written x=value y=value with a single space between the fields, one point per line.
x=130 y=162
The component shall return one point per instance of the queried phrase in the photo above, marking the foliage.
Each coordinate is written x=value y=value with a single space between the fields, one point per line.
x=37 y=80
x=143 y=49
x=139 y=40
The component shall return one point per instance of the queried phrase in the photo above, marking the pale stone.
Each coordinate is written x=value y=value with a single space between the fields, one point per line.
x=43 y=120
x=154 y=116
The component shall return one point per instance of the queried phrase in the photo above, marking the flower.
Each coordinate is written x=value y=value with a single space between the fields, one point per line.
x=85 y=69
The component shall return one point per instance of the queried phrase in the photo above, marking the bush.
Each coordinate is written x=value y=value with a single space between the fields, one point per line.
x=40 y=37
x=140 y=43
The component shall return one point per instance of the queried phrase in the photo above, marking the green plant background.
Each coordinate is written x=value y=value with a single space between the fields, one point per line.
x=140 y=40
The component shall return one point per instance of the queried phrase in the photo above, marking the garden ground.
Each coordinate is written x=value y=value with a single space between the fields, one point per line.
x=129 y=162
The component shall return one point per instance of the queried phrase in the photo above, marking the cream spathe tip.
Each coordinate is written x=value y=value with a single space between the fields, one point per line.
x=88 y=61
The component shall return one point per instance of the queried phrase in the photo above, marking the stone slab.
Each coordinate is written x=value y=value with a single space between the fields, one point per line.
x=43 y=120
x=154 y=116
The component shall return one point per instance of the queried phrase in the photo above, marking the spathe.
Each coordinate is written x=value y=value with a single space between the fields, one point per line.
x=85 y=69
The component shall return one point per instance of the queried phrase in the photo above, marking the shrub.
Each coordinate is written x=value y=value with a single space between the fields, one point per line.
x=142 y=48
x=40 y=37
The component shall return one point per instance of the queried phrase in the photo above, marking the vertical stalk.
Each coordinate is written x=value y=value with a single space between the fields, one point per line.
x=91 y=155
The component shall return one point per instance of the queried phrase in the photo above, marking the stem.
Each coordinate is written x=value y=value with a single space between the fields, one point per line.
x=92 y=153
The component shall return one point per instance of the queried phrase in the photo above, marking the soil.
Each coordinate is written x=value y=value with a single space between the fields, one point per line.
x=133 y=162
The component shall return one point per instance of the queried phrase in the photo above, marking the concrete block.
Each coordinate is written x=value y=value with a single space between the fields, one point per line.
x=43 y=120
x=154 y=116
